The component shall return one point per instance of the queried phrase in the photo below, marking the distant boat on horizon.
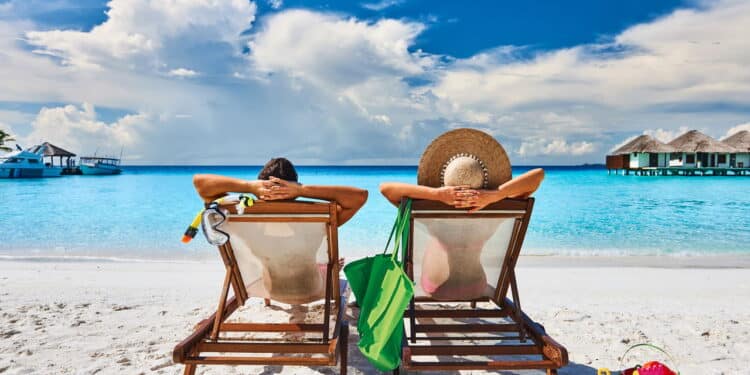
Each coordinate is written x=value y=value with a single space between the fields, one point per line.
x=95 y=165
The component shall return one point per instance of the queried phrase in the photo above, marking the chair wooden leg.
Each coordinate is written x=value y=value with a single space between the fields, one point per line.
x=267 y=302
x=189 y=369
x=344 y=337
x=222 y=303
x=412 y=321
x=517 y=303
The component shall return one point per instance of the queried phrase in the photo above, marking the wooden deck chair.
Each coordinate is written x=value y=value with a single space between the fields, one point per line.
x=283 y=251
x=458 y=259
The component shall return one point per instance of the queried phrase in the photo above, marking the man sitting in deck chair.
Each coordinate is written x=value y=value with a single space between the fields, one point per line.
x=470 y=178
x=281 y=250
x=278 y=181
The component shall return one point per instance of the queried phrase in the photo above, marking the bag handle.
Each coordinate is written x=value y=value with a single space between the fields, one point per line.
x=651 y=346
x=402 y=232
x=397 y=223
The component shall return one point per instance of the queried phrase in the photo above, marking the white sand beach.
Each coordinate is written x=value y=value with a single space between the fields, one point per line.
x=61 y=317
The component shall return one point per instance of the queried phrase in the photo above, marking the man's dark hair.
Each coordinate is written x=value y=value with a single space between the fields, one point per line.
x=279 y=168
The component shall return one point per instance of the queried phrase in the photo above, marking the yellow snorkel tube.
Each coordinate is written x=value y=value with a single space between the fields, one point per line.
x=192 y=229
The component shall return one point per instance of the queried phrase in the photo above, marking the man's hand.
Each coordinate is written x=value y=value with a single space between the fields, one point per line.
x=278 y=189
x=456 y=196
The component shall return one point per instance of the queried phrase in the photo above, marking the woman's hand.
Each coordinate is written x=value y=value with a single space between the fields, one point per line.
x=278 y=189
x=456 y=196
x=482 y=198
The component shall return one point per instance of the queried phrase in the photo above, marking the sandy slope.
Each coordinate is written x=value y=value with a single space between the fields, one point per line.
x=86 y=318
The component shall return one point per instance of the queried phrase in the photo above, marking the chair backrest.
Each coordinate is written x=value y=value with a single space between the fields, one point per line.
x=285 y=251
x=459 y=256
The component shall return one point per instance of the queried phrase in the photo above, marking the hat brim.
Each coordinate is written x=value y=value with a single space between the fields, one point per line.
x=464 y=141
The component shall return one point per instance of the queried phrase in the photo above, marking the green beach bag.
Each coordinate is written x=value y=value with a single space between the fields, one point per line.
x=383 y=291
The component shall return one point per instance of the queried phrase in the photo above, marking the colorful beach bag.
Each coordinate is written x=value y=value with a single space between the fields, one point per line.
x=648 y=368
x=383 y=291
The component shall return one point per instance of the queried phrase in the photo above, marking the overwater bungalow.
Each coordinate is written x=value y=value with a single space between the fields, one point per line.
x=741 y=142
x=642 y=152
x=697 y=150
x=692 y=153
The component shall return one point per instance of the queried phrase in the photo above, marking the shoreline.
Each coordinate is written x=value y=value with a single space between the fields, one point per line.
x=707 y=261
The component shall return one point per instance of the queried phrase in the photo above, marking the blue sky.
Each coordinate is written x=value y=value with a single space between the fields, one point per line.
x=371 y=82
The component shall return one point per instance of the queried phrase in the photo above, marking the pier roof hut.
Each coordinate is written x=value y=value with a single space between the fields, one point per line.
x=47 y=149
x=701 y=150
x=643 y=151
x=740 y=141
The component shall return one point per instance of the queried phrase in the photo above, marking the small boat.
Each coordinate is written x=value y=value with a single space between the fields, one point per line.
x=26 y=164
x=94 y=165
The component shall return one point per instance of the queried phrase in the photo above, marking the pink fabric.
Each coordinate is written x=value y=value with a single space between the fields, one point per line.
x=458 y=292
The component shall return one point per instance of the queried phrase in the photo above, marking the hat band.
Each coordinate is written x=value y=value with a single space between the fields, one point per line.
x=485 y=173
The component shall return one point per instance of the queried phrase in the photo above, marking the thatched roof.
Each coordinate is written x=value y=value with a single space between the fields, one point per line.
x=695 y=141
x=48 y=149
x=644 y=143
x=739 y=140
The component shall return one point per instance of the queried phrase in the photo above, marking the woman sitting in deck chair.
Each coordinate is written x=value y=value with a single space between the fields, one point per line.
x=297 y=280
x=463 y=168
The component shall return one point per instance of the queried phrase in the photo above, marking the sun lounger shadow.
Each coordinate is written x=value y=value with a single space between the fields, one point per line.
x=278 y=239
x=577 y=369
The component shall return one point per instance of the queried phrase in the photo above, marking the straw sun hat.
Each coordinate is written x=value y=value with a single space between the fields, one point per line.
x=464 y=157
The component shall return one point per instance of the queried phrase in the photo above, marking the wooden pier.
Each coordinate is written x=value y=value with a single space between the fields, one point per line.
x=682 y=171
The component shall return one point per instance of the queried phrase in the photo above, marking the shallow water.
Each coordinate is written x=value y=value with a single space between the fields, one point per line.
x=579 y=210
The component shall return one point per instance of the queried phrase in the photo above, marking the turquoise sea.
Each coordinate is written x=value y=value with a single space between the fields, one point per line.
x=579 y=211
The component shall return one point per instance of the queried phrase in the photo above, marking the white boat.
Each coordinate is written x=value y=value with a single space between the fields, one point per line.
x=26 y=164
x=94 y=165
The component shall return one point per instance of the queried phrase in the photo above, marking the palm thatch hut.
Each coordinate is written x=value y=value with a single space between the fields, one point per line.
x=741 y=142
x=697 y=150
x=643 y=151
x=47 y=149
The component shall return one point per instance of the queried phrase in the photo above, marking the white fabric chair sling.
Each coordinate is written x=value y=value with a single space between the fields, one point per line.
x=458 y=259
x=279 y=251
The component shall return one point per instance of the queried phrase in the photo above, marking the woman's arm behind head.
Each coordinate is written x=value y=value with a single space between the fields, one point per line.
x=524 y=185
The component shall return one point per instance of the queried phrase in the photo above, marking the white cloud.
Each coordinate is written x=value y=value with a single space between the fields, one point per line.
x=275 y=4
x=335 y=89
x=555 y=147
x=382 y=4
x=690 y=56
x=76 y=128
x=738 y=128
x=138 y=29
x=182 y=73
x=329 y=50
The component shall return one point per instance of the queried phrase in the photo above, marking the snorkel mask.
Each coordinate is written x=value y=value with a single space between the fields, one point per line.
x=211 y=218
